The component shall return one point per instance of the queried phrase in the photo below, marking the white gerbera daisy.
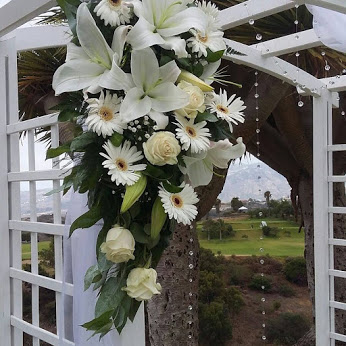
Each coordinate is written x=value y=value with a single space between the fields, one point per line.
x=104 y=116
x=120 y=163
x=180 y=206
x=209 y=9
x=194 y=136
x=114 y=12
x=229 y=109
x=209 y=38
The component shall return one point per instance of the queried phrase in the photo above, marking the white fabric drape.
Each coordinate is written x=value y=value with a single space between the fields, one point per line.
x=330 y=27
x=79 y=255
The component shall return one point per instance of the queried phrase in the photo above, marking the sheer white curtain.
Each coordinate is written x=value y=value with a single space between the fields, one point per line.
x=79 y=255
x=330 y=27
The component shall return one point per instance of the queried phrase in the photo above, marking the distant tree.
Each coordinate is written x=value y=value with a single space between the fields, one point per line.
x=26 y=237
x=236 y=203
x=267 y=196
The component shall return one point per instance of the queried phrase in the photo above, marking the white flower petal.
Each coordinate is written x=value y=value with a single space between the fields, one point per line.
x=75 y=75
x=169 y=72
x=177 y=44
x=199 y=171
x=143 y=36
x=167 y=97
x=160 y=119
x=91 y=38
x=119 y=39
x=135 y=105
x=75 y=52
x=144 y=68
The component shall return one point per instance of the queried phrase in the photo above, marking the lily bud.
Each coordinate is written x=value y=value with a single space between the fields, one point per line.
x=133 y=193
x=158 y=218
x=192 y=79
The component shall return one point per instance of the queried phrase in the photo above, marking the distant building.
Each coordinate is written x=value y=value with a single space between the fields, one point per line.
x=243 y=209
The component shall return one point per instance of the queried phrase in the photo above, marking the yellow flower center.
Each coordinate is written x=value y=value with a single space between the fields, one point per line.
x=177 y=201
x=121 y=164
x=115 y=3
x=106 y=114
x=222 y=109
x=191 y=131
x=202 y=39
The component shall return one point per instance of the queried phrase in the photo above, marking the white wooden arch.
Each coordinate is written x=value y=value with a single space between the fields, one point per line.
x=263 y=57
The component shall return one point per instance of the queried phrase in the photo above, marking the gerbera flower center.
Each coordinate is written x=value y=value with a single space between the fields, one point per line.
x=177 y=201
x=115 y=3
x=191 y=131
x=202 y=38
x=222 y=109
x=106 y=114
x=121 y=165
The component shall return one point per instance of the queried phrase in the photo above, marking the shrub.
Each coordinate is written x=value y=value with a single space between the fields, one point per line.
x=214 y=324
x=41 y=269
x=47 y=255
x=287 y=328
x=239 y=274
x=295 y=271
x=287 y=234
x=286 y=291
x=270 y=232
x=211 y=286
x=276 y=305
x=209 y=262
x=234 y=299
x=260 y=283
x=245 y=236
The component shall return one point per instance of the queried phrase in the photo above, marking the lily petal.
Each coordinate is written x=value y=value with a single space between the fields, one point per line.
x=183 y=21
x=76 y=75
x=145 y=68
x=199 y=171
x=142 y=35
x=160 y=119
x=223 y=151
x=209 y=71
x=169 y=72
x=167 y=97
x=135 y=105
x=177 y=44
x=75 y=52
x=116 y=78
x=119 y=39
x=91 y=38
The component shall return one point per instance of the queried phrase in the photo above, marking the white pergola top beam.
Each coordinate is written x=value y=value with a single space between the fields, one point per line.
x=337 y=83
x=275 y=67
x=289 y=43
x=18 y=12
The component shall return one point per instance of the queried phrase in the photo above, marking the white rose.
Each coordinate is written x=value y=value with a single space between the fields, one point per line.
x=141 y=284
x=162 y=148
x=119 y=246
x=197 y=101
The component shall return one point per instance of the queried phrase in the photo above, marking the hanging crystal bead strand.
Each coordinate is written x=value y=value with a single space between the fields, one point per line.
x=296 y=80
x=190 y=290
x=262 y=262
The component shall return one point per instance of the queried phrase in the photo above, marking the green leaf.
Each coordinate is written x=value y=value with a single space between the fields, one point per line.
x=55 y=152
x=133 y=309
x=206 y=116
x=87 y=220
x=81 y=142
x=67 y=115
x=61 y=188
x=139 y=233
x=171 y=188
x=154 y=172
x=158 y=218
x=184 y=63
x=214 y=56
x=198 y=70
x=116 y=139
x=122 y=314
x=111 y=295
x=165 y=60
x=99 y=322
x=92 y=276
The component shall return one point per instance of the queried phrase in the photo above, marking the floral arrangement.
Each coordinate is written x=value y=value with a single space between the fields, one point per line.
x=149 y=129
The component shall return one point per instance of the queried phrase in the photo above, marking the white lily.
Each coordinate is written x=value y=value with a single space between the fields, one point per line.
x=88 y=65
x=200 y=167
x=153 y=91
x=160 y=21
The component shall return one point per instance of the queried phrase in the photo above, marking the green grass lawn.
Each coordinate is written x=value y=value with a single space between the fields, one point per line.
x=284 y=245
x=26 y=249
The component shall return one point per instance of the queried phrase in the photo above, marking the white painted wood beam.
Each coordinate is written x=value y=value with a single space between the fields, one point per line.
x=18 y=12
x=275 y=67
x=42 y=36
x=289 y=43
x=337 y=83
x=335 y=5
x=253 y=9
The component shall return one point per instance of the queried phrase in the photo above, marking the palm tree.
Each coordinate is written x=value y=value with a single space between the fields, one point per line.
x=267 y=196
x=286 y=146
